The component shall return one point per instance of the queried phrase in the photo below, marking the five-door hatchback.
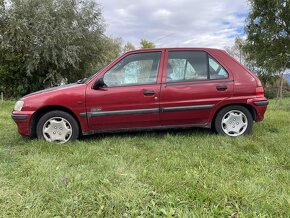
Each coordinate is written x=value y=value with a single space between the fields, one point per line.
x=147 y=89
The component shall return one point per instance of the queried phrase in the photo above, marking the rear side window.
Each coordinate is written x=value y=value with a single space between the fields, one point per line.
x=193 y=65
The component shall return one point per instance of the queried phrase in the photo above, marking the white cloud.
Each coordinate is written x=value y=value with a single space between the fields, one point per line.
x=176 y=23
x=162 y=13
x=122 y=12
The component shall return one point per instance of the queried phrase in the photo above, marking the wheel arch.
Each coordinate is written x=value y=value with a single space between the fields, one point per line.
x=40 y=112
x=251 y=109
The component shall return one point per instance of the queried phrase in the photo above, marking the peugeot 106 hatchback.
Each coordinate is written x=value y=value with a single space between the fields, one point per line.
x=147 y=89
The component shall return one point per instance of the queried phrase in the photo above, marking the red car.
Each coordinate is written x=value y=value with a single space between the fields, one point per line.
x=147 y=89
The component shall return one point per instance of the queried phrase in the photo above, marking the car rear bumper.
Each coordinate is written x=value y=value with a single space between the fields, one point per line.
x=260 y=105
x=22 y=120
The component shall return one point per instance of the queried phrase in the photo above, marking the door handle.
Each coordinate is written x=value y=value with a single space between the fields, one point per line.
x=221 y=88
x=149 y=92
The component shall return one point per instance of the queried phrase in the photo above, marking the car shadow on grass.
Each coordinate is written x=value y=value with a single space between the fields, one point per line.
x=156 y=133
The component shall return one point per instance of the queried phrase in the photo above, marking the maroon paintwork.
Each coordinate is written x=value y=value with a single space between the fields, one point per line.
x=244 y=88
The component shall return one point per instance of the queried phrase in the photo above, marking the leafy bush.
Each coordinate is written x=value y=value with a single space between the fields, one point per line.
x=45 y=42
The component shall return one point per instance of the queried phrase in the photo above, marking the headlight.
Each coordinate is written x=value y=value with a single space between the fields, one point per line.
x=18 y=106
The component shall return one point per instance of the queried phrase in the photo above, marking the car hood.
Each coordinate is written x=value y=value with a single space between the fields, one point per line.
x=57 y=88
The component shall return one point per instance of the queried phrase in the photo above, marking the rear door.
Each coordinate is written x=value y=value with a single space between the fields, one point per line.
x=194 y=83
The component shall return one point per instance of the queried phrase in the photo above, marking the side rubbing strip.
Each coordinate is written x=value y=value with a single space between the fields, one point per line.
x=121 y=112
x=125 y=112
x=187 y=108
x=145 y=111
x=84 y=115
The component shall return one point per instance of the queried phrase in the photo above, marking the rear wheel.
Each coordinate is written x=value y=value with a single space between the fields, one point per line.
x=57 y=126
x=234 y=121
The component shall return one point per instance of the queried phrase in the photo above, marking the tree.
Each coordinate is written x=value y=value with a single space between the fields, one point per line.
x=268 y=36
x=239 y=52
x=45 y=42
x=128 y=47
x=146 y=44
x=112 y=48
x=267 y=78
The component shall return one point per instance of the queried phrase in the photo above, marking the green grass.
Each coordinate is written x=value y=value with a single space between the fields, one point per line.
x=184 y=173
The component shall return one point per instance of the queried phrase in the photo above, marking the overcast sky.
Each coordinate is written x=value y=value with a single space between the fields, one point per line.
x=176 y=23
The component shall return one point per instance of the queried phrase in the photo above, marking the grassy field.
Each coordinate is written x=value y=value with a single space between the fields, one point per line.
x=184 y=173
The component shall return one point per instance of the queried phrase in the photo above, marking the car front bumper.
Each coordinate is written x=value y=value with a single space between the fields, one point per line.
x=22 y=120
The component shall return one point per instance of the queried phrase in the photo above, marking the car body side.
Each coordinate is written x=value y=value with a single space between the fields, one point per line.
x=73 y=98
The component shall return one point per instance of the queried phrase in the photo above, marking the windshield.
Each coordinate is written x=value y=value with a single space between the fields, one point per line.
x=86 y=79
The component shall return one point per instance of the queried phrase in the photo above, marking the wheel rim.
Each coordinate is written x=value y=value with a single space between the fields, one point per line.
x=234 y=123
x=57 y=129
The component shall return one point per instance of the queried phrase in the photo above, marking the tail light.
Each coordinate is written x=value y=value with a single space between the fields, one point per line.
x=260 y=91
x=259 y=88
x=259 y=82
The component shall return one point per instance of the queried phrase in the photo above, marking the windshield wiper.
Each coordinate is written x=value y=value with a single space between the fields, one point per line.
x=81 y=81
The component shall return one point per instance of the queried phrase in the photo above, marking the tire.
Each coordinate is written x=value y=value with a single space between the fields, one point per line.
x=234 y=121
x=57 y=126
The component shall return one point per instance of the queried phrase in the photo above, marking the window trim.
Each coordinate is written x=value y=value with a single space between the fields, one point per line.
x=210 y=56
x=197 y=80
x=101 y=73
x=207 y=67
x=144 y=84
x=131 y=85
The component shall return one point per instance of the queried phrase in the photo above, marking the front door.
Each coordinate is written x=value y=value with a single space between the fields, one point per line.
x=131 y=96
x=193 y=85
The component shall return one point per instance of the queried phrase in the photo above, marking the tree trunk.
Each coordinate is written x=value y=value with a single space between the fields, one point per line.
x=280 y=89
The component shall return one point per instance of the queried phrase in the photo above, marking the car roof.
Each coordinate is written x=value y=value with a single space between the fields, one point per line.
x=177 y=48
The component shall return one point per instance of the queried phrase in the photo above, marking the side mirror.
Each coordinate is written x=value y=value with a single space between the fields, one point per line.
x=99 y=83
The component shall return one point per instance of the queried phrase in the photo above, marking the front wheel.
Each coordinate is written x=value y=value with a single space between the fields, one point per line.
x=234 y=121
x=57 y=126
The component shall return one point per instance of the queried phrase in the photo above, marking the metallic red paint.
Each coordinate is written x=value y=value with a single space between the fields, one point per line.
x=199 y=100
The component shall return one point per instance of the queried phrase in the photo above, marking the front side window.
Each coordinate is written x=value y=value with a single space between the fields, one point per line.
x=135 y=69
x=193 y=65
